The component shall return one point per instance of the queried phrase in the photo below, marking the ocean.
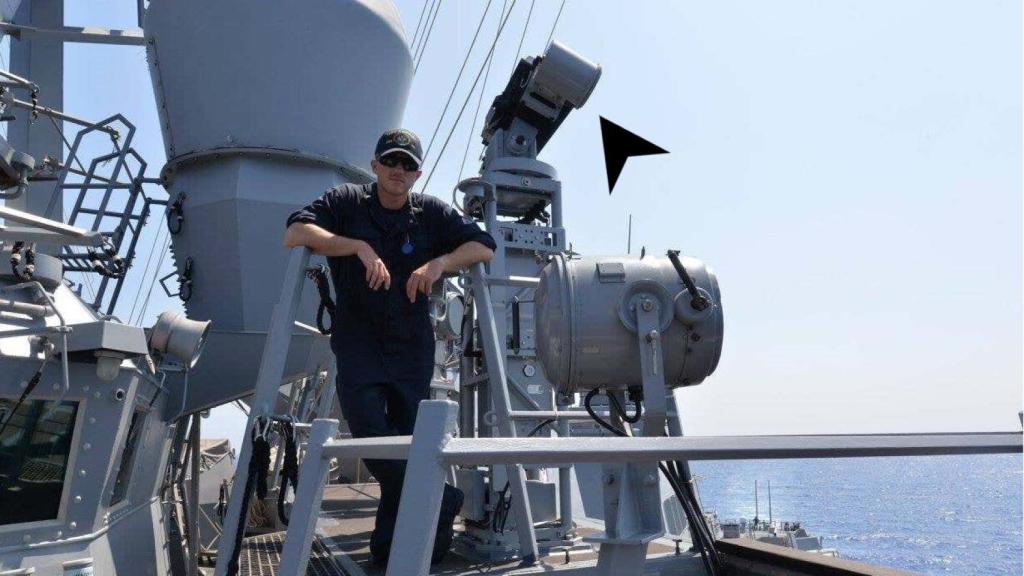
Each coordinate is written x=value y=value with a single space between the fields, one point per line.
x=932 y=515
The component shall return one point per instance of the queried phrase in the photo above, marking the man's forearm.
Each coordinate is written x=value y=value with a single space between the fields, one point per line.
x=466 y=255
x=319 y=240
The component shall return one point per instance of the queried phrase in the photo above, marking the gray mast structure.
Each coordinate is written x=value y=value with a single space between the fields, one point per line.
x=518 y=199
x=42 y=60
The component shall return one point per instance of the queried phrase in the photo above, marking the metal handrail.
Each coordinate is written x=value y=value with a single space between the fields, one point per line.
x=603 y=449
x=435 y=450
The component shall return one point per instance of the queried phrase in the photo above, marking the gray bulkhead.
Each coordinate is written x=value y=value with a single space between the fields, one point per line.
x=97 y=492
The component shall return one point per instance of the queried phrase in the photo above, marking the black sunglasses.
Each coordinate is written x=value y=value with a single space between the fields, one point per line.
x=392 y=160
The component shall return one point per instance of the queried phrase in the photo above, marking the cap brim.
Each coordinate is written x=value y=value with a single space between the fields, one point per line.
x=403 y=151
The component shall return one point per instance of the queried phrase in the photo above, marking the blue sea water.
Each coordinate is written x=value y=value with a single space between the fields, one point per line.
x=932 y=515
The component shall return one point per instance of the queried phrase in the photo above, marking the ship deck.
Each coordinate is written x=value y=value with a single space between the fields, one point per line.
x=342 y=546
x=347 y=517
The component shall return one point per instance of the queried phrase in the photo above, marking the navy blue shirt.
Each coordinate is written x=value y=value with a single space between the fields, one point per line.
x=375 y=330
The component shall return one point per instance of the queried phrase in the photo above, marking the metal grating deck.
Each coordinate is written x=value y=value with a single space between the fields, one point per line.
x=261 y=555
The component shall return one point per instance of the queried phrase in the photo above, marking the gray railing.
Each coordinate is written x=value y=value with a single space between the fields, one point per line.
x=261 y=412
x=433 y=448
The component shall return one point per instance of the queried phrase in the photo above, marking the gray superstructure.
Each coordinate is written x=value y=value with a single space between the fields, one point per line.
x=103 y=466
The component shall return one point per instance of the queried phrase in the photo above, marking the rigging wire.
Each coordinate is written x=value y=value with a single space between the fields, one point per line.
x=431 y=16
x=458 y=78
x=426 y=39
x=88 y=284
x=419 y=22
x=156 y=272
x=419 y=38
x=468 y=96
x=145 y=271
x=555 y=25
x=476 y=113
x=526 y=26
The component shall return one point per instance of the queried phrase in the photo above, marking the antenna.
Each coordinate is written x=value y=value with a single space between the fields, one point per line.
x=756 y=508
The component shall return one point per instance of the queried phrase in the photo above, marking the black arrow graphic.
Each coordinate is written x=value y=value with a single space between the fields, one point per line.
x=620 y=144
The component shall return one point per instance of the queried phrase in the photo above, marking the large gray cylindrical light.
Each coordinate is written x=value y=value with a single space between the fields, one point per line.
x=586 y=321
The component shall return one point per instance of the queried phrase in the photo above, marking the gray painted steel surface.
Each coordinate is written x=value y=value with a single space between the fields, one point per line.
x=425 y=477
x=433 y=447
x=268 y=380
x=264 y=105
x=586 y=324
x=114 y=536
x=501 y=403
x=323 y=77
x=41 y=60
x=605 y=449
x=312 y=478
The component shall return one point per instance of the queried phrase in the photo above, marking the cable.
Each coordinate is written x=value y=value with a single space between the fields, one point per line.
x=256 y=477
x=463 y=109
x=29 y=387
x=145 y=271
x=222 y=501
x=419 y=38
x=504 y=504
x=638 y=413
x=523 y=37
x=426 y=40
x=289 y=468
x=318 y=274
x=590 y=410
x=476 y=113
x=501 y=511
x=691 y=517
x=555 y=25
x=704 y=542
x=419 y=22
x=152 y=284
x=458 y=78
x=539 y=426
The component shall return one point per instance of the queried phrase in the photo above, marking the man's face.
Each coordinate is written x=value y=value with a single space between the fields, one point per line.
x=395 y=180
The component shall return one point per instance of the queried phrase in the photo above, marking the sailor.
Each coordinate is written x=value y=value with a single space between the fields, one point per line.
x=386 y=247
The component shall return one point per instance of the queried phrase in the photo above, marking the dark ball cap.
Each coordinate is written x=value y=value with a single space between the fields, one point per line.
x=399 y=140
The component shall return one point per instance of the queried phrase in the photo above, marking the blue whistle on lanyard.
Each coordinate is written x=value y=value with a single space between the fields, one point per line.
x=407 y=247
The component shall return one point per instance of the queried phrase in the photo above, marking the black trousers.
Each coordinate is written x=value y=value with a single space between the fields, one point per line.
x=385 y=408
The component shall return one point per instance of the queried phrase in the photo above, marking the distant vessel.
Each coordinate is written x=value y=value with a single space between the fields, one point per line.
x=786 y=534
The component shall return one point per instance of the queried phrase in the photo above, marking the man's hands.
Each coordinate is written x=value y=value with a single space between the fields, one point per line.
x=377 y=274
x=423 y=278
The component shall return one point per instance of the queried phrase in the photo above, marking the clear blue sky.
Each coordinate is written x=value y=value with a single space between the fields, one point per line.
x=851 y=170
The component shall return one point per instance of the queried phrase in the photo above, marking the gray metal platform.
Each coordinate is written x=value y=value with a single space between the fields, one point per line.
x=347 y=518
x=261 y=555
